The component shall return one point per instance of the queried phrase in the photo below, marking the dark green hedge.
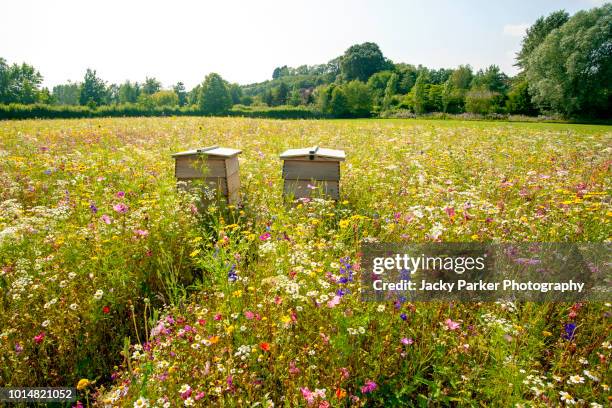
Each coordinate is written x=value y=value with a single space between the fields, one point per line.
x=278 y=112
x=40 y=111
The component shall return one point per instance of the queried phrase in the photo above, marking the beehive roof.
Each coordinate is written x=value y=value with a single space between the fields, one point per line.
x=210 y=151
x=316 y=151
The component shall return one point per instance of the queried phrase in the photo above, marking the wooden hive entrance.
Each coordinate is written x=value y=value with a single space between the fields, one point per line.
x=216 y=166
x=316 y=166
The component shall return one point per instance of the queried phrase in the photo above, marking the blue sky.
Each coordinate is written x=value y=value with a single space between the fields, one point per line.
x=243 y=41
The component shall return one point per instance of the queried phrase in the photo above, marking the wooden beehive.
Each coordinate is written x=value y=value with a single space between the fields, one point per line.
x=316 y=166
x=216 y=166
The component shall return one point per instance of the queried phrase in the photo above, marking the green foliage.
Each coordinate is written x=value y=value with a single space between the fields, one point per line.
x=536 y=34
x=461 y=78
x=165 y=98
x=492 y=79
x=519 y=100
x=215 y=98
x=361 y=61
x=67 y=94
x=280 y=95
x=295 y=97
x=19 y=83
x=150 y=86
x=179 y=90
x=571 y=71
x=481 y=101
x=280 y=72
x=420 y=93
x=390 y=90
x=236 y=93
x=408 y=75
x=129 y=92
x=338 y=104
x=278 y=112
x=93 y=89
x=359 y=99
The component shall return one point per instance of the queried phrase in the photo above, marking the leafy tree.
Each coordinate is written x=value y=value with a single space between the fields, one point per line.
x=236 y=93
x=215 y=98
x=45 y=97
x=461 y=78
x=181 y=93
x=165 y=98
x=360 y=61
x=453 y=99
x=434 y=98
x=481 y=101
x=129 y=92
x=111 y=95
x=281 y=93
x=295 y=97
x=324 y=95
x=439 y=76
x=420 y=93
x=390 y=90
x=146 y=101
x=19 y=83
x=408 y=75
x=150 y=86
x=571 y=71
x=5 y=81
x=280 y=72
x=358 y=98
x=339 y=103
x=67 y=94
x=492 y=79
x=519 y=100
x=93 y=89
x=378 y=83
x=537 y=33
x=193 y=97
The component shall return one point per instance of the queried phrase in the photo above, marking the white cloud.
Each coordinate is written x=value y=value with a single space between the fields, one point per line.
x=516 y=30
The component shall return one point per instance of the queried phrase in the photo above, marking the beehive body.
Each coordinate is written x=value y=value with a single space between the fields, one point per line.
x=312 y=172
x=216 y=167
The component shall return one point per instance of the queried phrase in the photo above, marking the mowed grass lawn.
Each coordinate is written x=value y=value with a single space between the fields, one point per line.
x=112 y=276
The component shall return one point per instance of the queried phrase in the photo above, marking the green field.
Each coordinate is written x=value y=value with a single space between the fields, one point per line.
x=107 y=270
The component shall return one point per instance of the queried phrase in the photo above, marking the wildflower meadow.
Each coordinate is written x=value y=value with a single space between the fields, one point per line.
x=118 y=283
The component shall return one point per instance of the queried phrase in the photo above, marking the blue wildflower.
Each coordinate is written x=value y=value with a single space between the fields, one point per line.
x=232 y=275
x=570 y=331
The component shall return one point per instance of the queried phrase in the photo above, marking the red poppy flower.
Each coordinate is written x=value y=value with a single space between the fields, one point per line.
x=264 y=346
x=106 y=310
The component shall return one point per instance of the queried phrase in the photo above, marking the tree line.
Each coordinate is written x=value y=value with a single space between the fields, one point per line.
x=565 y=67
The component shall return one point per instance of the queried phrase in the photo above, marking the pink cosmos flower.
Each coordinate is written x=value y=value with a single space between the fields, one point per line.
x=249 y=315
x=265 y=237
x=324 y=404
x=450 y=211
x=407 y=341
x=368 y=387
x=106 y=219
x=120 y=208
x=39 y=337
x=121 y=194
x=293 y=369
x=141 y=233
x=335 y=301
x=307 y=394
x=451 y=325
